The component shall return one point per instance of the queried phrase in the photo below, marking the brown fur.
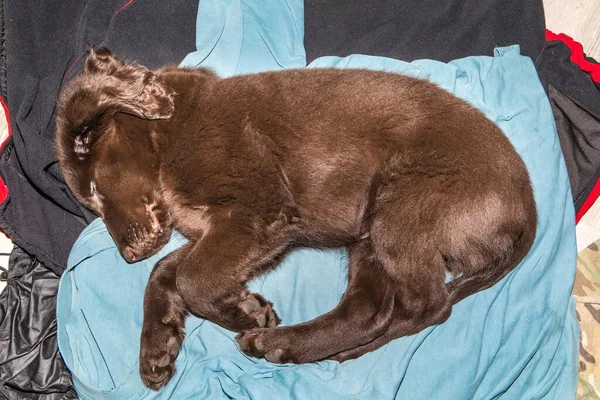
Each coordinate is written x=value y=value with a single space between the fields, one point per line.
x=414 y=181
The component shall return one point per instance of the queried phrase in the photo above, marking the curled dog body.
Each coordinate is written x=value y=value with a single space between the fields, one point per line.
x=415 y=182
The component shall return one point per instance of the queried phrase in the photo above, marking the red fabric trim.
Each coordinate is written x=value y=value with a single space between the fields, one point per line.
x=577 y=56
x=80 y=57
x=589 y=202
x=124 y=6
x=3 y=187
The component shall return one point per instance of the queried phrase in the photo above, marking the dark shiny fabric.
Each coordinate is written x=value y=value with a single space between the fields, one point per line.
x=30 y=364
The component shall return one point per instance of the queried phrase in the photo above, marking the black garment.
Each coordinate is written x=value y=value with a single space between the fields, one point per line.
x=47 y=42
x=575 y=101
x=30 y=364
x=415 y=29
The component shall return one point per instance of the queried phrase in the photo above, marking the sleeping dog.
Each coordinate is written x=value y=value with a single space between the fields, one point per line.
x=417 y=184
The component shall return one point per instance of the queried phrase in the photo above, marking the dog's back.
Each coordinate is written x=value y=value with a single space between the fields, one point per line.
x=334 y=133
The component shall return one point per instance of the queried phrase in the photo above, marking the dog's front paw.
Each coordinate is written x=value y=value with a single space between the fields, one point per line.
x=264 y=343
x=159 y=348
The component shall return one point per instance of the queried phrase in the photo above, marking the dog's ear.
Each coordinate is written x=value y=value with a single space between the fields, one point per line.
x=127 y=87
x=101 y=60
x=106 y=86
x=131 y=88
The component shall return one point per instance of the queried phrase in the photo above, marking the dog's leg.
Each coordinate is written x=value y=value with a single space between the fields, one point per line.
x=363 y=314
x=205 y=277
x=164 y=317
x=396 y=288
x=414 y=316
x=212 y=278
x=376 y=308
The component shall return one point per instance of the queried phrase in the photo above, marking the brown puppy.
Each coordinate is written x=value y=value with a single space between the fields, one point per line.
x=414 y=181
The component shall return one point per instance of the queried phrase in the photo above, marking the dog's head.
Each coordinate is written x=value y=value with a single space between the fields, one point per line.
x=106 y=151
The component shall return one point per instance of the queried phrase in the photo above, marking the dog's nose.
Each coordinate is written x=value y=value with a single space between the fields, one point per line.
x=131 y=254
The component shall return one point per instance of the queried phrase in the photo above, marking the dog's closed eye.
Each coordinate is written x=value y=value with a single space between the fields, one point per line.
x=81 y=145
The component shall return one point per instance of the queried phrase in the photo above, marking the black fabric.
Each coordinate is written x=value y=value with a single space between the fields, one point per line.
x=414 y=29
x=575 y=101
x=47 y=41
x=30 y=364
x=579 y=133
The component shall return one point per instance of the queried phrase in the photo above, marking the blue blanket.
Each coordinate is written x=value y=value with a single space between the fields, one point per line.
x=516 y=340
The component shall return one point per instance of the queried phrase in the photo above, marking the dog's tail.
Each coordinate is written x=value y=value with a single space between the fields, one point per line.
x=466 y=285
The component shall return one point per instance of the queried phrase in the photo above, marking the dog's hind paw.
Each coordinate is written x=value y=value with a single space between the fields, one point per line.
x=259 y=343
x=261 y=310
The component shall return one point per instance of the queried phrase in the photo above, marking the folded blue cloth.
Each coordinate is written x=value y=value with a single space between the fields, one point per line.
x=516 y=340
x=234 y=37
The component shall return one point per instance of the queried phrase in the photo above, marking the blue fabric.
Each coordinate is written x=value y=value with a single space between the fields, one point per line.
x=234 y=37
x=516 y=340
